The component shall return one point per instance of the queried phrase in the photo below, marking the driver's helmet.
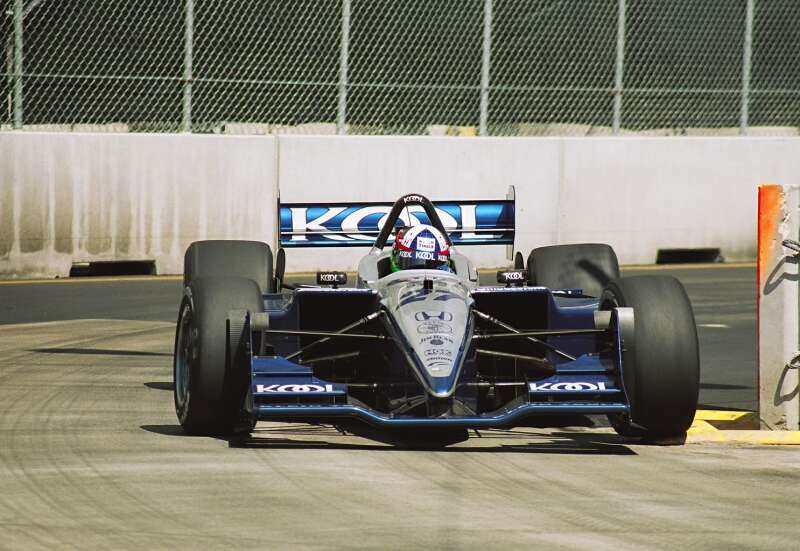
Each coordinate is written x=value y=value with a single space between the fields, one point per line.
x=420 y=246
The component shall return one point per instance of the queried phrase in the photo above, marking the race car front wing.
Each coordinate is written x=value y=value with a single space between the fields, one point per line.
x=281 y=389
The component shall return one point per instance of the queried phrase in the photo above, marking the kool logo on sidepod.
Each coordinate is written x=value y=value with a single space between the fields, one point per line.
x=511 y=276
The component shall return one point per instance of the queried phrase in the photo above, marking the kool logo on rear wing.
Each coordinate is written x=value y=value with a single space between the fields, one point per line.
x=358 y=224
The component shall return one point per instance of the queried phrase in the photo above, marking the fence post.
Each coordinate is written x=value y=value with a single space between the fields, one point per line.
x=486 y=65
x=344 y=60
x=746 y=68
x=188 y=60
x=18 y=14
x=619 y=67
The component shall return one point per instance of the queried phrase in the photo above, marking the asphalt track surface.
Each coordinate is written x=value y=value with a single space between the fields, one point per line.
x=91 y=455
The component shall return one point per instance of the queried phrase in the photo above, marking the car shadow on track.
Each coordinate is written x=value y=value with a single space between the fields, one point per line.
x=160 y=385
x=168 y=430
x=520 y=440
x=552 y=444
x=357 y=436
x=538 y=435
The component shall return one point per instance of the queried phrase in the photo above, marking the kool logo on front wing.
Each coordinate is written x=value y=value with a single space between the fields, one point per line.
x=358 y=224
x=574 y=386
x=293 y=389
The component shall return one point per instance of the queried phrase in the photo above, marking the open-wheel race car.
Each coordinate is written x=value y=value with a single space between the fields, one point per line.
x=428 y=348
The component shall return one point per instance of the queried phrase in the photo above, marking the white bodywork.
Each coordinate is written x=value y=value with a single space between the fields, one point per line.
x=430 y=310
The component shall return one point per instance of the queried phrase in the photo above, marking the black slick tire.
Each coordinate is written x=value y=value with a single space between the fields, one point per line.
x=221 y=258
x=210 y=368
x=662 y=372
x=587 y=266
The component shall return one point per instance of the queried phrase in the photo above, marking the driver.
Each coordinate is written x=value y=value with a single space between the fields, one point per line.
x=420 y=246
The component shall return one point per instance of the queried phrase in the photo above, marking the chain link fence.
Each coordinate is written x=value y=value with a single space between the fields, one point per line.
x=489 y=67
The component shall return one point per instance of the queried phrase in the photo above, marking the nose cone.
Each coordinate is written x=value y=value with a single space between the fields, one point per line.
x=441 y=387
x=433 y=319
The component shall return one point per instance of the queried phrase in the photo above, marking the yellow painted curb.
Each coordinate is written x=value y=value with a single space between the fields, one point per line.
x=720 y=415
x=707 y=424
x=727 y=420
x=701 y=427
x=724 y=420
x=758 y=437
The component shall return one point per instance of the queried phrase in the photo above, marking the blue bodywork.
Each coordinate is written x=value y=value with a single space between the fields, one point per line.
x=372 y=381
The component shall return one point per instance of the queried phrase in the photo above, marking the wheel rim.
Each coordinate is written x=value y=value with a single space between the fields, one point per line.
x=183 y=357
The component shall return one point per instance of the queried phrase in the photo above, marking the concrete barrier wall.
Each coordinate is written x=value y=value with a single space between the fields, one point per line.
x=640 y=195
x=78 y=197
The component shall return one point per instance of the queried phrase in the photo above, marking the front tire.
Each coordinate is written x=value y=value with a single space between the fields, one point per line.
x=661 y=374
x=210 y=368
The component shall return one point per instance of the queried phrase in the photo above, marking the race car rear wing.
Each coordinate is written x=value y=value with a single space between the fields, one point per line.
x=485 y=222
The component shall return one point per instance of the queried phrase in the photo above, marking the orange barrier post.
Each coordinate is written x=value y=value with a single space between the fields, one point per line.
x=777 y=311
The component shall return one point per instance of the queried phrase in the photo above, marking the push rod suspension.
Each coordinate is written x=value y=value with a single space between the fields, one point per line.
x=358 y=323
x=531 y=338
x=326 y=334
x=542 y=333
x=540 y=364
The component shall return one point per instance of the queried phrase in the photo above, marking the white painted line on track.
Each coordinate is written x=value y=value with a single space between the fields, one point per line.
x=714 y=325
x=35 y=324
x=118 y=279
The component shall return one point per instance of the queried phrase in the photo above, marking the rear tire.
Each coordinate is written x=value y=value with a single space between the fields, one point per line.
x=586 y=266
x=662 y=372
x=211 y=366
x=230 y=258
x=519 y=262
